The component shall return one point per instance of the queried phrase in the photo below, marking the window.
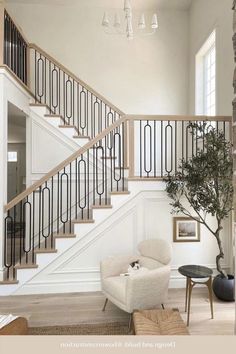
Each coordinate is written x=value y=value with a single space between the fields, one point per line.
x=12 y=156
x=206 y=78
x=210 y=82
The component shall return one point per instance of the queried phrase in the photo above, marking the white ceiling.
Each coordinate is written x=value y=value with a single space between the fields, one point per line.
x=138 y=4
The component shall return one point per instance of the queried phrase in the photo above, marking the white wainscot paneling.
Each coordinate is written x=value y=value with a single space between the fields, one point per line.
x=78 y=269
x=144 y=216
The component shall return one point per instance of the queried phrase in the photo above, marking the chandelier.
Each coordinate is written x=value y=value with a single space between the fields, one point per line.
x=116 y=27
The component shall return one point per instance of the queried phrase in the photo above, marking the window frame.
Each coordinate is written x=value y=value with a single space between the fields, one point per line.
x=200 y=75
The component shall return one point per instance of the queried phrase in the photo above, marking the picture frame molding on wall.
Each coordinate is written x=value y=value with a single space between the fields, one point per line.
x=176 y=238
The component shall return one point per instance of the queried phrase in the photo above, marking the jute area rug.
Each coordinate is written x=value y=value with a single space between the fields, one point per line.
x=109 y=329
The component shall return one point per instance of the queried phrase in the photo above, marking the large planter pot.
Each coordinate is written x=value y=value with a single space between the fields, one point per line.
x=224 y=288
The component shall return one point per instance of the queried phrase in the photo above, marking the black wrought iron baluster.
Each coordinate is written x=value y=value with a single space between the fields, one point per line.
x=55 y=92
x=52 y=213
x=40 y=211
x=140 y=148
x=162 y=148
x=63 y=219
x=192 y=133
x=147 y=168
x=117 y=155
x=154 y=149
x=27 y=228
x=76 y=188
x=88 y=182
x=14 y=243
x=168 y=170
x=123 y=156
x=8 y=229
x=176 y=144
x=70 y=181
x=33 y=229
x=59 y=92
x=21 y=230
x=203 y=136
x=87 y=120
x=73 y=102
x=106 y=180
x=78 y=107
x=50 y=85
x=48 y=208
x=94 y=169
x=35 y=75
x=58 y=202
x=92 y=118
x=81 y=184
x=83 y=116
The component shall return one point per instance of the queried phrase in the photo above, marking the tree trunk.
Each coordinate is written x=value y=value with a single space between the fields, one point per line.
x=220 y=255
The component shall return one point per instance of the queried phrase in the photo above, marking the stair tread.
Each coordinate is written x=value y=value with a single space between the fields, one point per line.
x=8 y=282
x=120 y=192
x=84 y=221
x=52 y=116
x=38 y=104
x=64 y=235
x=45 y=250
x=67 y=126
x=103 y=206
x=26 y=266
x=81 y=137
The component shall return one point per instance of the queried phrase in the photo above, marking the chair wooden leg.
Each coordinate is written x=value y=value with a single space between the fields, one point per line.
x=162 y=305
x=105 y=304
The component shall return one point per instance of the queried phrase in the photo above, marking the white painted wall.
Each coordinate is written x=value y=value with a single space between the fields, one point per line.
x=147 y=75
x=204 y=17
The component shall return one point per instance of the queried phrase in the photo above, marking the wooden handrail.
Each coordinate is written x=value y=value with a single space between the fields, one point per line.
x=82 y=150
x=179 y=118
x=63 y=164
x=76 y=78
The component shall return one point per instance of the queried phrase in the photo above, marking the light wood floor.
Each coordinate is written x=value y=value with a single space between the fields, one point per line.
x=68 y=309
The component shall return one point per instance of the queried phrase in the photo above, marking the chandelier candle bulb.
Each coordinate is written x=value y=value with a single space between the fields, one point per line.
x=154 y=21
x=127 y=5
x=105 y=21
x=117 y=20
x=142 y=24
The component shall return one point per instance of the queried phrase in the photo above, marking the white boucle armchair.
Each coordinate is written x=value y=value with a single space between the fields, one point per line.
x=144 y=290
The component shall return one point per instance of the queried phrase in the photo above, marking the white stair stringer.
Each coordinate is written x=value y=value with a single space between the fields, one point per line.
x=83 y=234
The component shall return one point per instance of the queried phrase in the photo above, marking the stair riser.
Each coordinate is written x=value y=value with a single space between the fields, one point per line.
x=81 y=142
x=40 y=110
x=54 y=121
x=70 y=132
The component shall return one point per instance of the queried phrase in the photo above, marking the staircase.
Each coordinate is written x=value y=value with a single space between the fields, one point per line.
x=76 y=196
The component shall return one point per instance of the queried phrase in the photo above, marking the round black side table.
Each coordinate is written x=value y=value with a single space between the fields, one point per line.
x=196 y=272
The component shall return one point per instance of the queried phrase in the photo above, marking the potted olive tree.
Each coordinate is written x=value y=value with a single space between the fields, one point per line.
x=205 y=183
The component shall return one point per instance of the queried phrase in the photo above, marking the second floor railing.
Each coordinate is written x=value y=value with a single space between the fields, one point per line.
x=16 y=49
x=158 y=143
